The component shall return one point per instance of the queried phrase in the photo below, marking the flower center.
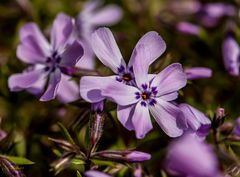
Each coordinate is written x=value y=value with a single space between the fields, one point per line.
x=53 y=62
x=127 y=77
x=145 y=95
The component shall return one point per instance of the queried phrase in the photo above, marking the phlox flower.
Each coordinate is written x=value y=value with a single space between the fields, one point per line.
x=187 y=156
x=133 y=89
x=231 y=55
x=47 y=60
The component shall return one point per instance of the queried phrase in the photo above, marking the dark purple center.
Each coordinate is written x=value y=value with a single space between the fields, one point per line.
x=146 y=95
x=52 y=62
x=127 y=77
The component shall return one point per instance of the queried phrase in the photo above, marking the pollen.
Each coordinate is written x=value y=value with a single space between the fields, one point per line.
x=145 y=96
x=127 y=77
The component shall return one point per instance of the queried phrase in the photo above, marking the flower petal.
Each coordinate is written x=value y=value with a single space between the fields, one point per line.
x=166 y=115
x=33 y=48
x=194 y=117
x=106 y=49
x=170 y=96
x=17 y=82
x=231 y=52
x=72 y=54
x=140 y=67
x=88 y=60
x=154 y=48
x=30 y=55
x=91 y=87
x=141 y=120
x=67 y=90
x=124 y=114
x=107 y=15
x=120 y=93
x=53 y=84
x=61 y=30
x=171 y=79
x=31 y=29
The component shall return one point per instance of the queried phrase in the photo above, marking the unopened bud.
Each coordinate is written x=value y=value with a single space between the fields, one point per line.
x=127 y=155
x=137 y=156
x=95 y=173
x=220 y=113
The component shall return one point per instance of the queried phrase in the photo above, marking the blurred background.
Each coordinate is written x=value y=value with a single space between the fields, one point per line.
x=30 y=122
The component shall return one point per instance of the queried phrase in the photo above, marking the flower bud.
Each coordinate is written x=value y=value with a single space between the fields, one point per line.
x=95 y=173
x=127 y=155
x=10 y=169
x=220 y=112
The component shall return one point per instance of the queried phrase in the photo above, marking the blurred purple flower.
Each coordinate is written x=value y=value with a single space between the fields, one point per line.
x=198 y=73
x=88 y=19
x=189 y=157
x=237 y=127
x=188 y=28
x=186 y=7
x=95 y=173
x=231 y=55
x=47 y=60
x=196 y=121
x=133 y=89
x=211 y=13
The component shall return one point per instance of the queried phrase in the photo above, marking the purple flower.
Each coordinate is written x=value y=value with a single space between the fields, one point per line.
x=95 y=173
x=237 y=127
x=132 y=88
x=188 y=28
x=231 y=55
x=211 y=13
x=47 y=60
x=109 y=54
x=88 y=19
x=189 y=157
x=198 y=73
x=196 y=121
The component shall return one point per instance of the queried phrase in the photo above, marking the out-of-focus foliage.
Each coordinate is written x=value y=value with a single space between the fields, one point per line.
x=30 y=122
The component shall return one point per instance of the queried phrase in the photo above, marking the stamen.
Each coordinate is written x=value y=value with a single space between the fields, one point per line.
x=127 y=77
x=146 y=95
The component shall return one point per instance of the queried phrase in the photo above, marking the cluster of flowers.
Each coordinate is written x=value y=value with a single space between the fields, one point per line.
x=137 y=93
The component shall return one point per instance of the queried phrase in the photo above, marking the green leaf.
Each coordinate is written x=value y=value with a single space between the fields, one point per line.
x=103 y=162
x=163 y=173
x=65 y=132
x=77 y=161
x=19 y=160
x=79 y=174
